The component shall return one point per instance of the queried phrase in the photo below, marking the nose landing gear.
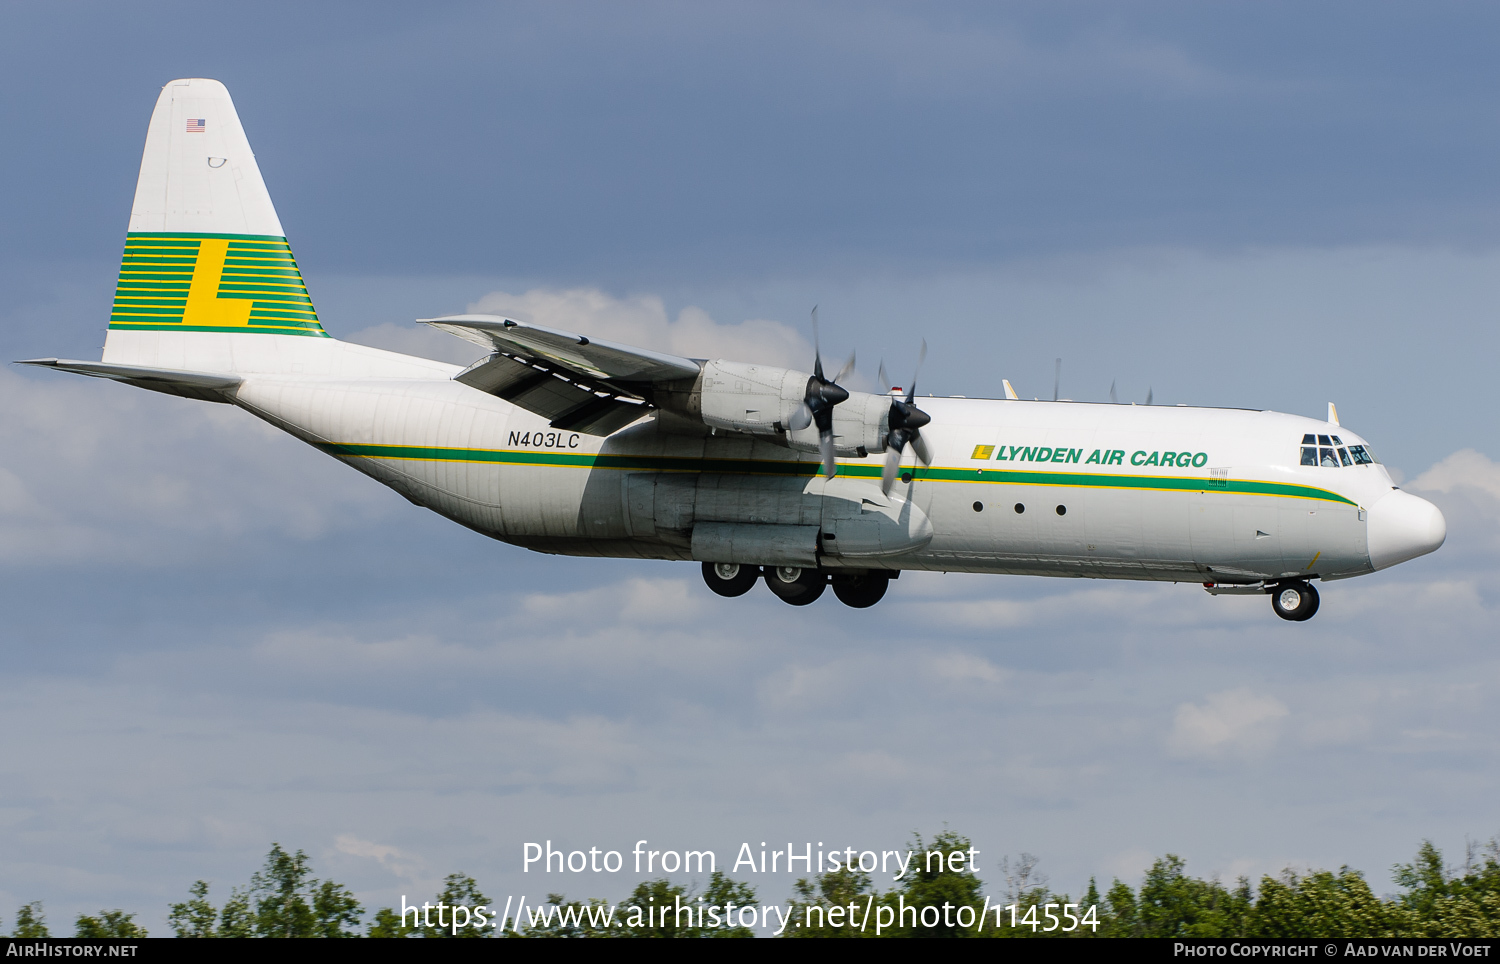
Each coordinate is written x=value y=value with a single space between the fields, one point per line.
x=1296 y=601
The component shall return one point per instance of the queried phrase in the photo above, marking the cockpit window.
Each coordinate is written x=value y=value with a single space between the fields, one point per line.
x=1329 y=452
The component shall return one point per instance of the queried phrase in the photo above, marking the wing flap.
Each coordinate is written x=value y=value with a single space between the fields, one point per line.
x=568 y=402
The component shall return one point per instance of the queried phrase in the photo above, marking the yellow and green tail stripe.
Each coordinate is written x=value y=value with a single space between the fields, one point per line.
x=188 y=281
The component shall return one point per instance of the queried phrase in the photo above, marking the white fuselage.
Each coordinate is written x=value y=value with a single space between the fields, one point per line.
x=1239 y=508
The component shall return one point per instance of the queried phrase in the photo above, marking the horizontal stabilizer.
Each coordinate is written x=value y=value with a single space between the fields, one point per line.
x=208 y=386
x=577 y=353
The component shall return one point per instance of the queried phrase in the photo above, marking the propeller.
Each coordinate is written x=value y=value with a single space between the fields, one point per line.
x=906 y=421
x=818 y=402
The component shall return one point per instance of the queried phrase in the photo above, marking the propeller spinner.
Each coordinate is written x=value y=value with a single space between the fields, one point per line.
x=818 y=402
x=906 y=421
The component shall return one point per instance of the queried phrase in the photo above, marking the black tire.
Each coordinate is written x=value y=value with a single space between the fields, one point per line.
x=796 y=586
x=730 y=579
x=860 y=590
x=1299 y=607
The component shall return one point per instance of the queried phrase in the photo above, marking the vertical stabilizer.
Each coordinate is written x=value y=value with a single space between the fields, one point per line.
x=206 y=263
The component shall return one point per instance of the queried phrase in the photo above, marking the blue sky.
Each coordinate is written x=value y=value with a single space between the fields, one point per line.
x=215 y=638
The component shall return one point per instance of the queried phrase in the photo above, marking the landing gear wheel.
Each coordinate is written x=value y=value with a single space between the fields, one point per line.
x=1296 y=601
x=730 y=579
x=862 y=589
x=796 y=586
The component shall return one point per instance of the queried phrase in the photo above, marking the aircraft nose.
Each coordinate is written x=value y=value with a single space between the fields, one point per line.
x=1401 y=527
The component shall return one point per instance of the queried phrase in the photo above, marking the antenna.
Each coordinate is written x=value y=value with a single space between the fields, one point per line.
x=1056 y=379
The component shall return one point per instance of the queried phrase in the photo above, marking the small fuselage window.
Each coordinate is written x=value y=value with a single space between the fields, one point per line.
x=1328 y=451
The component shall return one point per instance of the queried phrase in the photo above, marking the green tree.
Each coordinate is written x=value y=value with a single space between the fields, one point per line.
x=1027 y=889
x=30 y=921
x=194 y=917
x=1120 y=916
x=1323 y=904
x=937 y=879
x=459 y=892
x=834 y=889
x=237 y=919
x=1461 y=903
x=660 y=908
x=109 y=924
x=388 y=923
x=569 y=918
x=656 y=908
x=1172 y=904
x=289 y=902
x=724 y=892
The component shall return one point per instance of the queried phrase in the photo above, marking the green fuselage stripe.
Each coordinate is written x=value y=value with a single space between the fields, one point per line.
x=656 y=463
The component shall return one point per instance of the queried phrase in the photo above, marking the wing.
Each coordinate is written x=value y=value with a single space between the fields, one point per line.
x=578 y=383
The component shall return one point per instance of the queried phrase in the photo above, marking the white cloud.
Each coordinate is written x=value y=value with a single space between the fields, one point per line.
x=94 y=471
x=423 y=341
x=394 y=859
x=1463 y=470
x=642 y=321
x=967 y=667
x=1235 y=721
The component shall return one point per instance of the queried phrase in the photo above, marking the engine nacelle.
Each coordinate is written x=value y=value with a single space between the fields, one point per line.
x=760 y=400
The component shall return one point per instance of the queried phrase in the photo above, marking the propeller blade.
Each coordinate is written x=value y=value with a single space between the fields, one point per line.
x=817 y=347
x=892 y=466
x=1112 y=399
x=1056 y=379
x=825 y=446
x=885 y=380
x=800 y=419
x=1148 y=396
x=848 y=367
x=911 y=392
x=919 y=446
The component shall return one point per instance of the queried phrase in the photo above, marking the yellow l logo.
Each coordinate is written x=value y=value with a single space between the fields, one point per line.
x=204 y=307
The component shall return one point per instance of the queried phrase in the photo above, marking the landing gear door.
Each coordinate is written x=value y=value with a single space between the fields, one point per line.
x=860 y=522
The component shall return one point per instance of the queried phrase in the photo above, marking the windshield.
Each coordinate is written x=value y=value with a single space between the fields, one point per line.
x=1329 y=452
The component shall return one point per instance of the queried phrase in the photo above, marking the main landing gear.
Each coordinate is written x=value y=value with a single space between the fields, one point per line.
x=1296 y=601
x=730 y=579
x=798 y=587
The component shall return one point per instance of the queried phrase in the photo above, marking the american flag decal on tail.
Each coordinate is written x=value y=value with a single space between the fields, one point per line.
x=195 y=125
